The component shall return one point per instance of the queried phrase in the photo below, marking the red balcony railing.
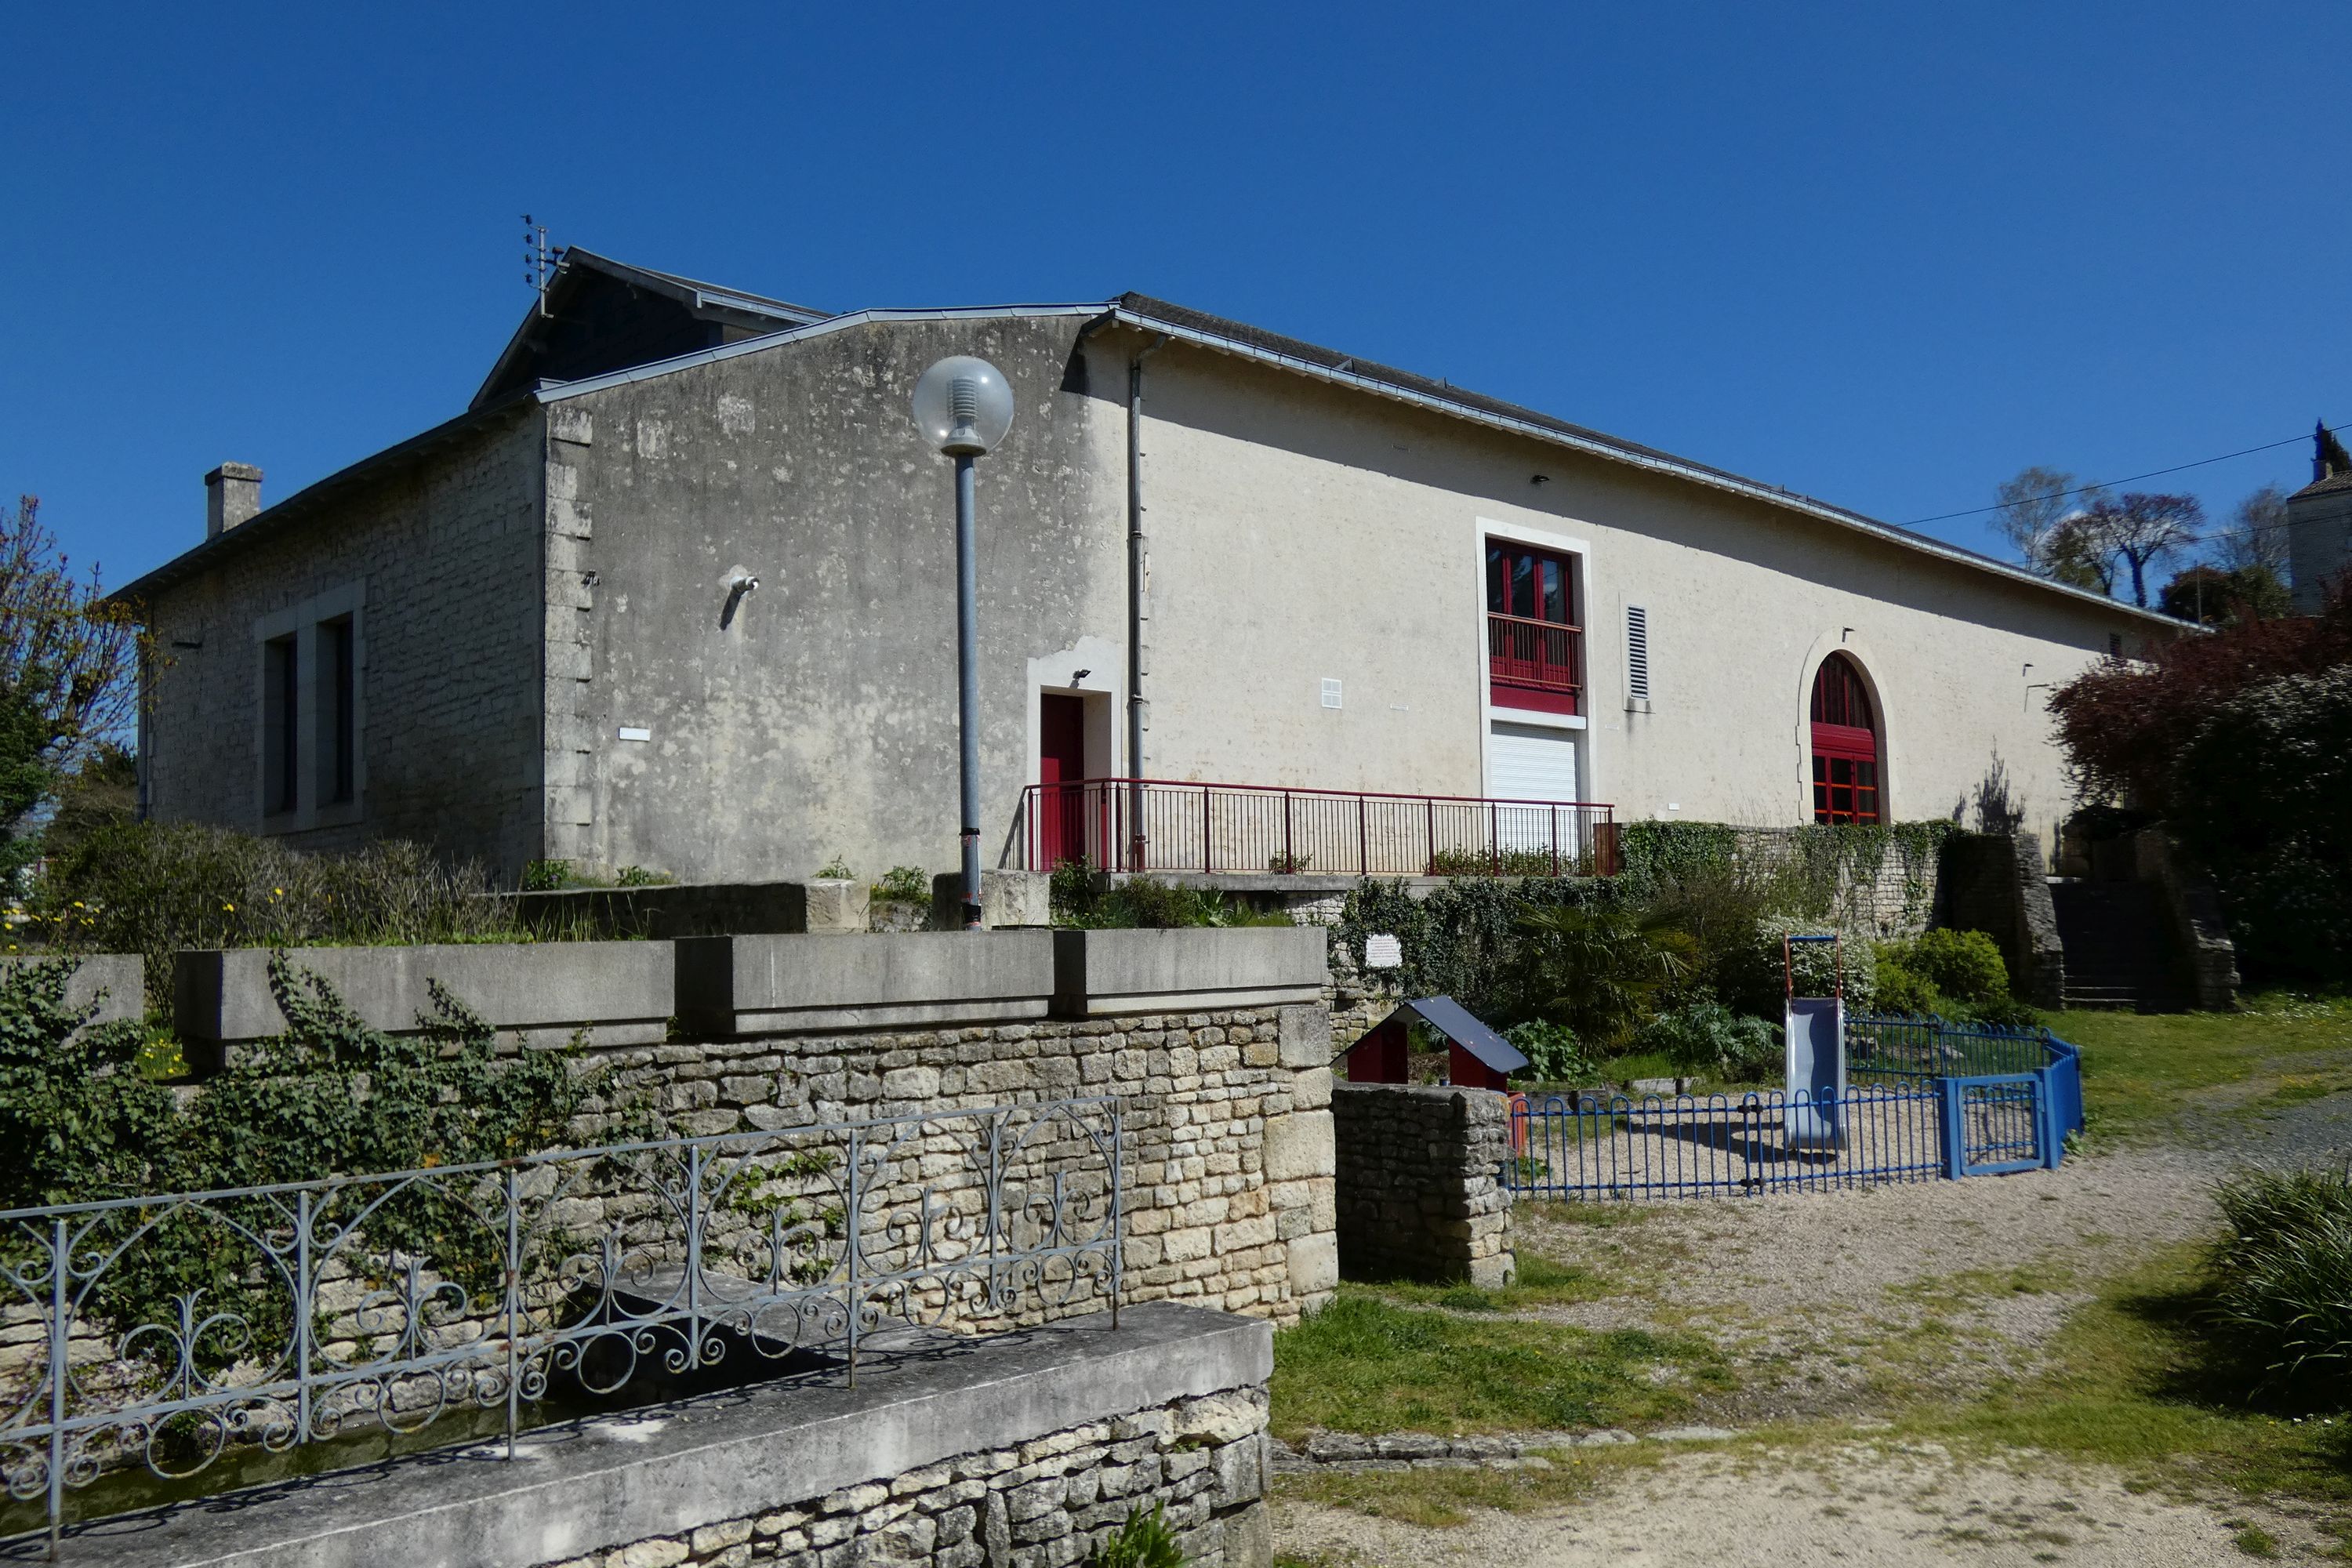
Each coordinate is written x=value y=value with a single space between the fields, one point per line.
x=1543 y=659
x=1153 y=824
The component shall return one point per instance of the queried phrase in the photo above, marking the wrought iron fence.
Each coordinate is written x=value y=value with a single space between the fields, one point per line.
x=1145 y=824
x=165 y=1331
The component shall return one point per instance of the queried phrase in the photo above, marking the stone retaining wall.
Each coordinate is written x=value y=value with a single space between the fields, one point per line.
x=1419 y=1194
x=1043 y=1504
x=1230 y=1196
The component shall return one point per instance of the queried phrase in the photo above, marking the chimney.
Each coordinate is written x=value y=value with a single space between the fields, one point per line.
x=232 y=494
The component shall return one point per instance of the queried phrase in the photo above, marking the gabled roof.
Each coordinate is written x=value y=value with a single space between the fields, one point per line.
x=658 y=323
x=603 y=314
x=1457 y=1023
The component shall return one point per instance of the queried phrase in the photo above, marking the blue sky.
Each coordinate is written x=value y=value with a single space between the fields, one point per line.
x=1884 y=254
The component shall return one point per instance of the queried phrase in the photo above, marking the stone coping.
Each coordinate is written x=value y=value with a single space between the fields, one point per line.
x=115 y=981
x=1099 y=973
x=620 y=993
x=739 y=985
x=667 y=1469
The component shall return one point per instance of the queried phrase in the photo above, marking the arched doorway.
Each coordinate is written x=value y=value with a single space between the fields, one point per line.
x=1846 y=784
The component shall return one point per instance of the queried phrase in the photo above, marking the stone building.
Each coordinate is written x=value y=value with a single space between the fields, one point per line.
x=677 y=591
x=2319 y=523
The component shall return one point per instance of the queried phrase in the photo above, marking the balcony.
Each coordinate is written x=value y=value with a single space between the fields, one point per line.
x=1151 y=824
x=1535 y=664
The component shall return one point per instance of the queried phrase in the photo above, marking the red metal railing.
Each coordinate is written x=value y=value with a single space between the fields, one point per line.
x=1541 y=656
x=1161 y=825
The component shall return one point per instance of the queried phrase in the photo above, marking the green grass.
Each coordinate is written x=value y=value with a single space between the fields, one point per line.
x=1367 y=1365
x=1540 y=1283
x=2135 y=1382
x=2141 y=1072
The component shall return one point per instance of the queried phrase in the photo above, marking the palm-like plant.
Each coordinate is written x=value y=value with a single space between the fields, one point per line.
x=1600 y=970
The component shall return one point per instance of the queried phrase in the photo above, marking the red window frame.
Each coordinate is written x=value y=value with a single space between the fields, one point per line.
x=1846 y=783
x=1534 y=641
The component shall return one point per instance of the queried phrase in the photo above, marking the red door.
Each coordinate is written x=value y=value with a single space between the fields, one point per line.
x=1062 y=760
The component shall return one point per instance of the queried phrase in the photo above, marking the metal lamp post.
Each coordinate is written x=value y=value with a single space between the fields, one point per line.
x=963 y=407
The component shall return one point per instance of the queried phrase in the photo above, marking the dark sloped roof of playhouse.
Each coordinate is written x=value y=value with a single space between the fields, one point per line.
x=1455 y=1021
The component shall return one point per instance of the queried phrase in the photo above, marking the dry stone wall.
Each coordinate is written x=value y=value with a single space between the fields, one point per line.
x=1043 y=1504
x=1420 y=1189
x=1228 y=1124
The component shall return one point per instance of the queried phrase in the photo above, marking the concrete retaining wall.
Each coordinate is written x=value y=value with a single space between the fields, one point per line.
x=112 y=982
x=1419 y=1188
x=740 y=985
x=1995 y=883
x=617 y=992
x=1101 y=973
x=1030 y=1450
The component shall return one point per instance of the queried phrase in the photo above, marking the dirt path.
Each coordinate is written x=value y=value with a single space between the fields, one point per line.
x=1852 y=1505
x=1837 y=1304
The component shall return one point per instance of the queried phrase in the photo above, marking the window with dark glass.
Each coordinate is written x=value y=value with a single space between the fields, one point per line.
x=281 y=705
x=339 y=773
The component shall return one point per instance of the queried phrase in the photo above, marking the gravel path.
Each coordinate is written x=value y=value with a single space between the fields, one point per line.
x=1831 y=1303
x=1854 y=1505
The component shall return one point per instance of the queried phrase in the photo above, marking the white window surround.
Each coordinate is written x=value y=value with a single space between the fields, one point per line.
x=1580 y=554
x=304 y=622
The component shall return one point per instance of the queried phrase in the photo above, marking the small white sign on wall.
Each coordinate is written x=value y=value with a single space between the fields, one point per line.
x=1330 y=693
x=1382 y=950
x=635 y=733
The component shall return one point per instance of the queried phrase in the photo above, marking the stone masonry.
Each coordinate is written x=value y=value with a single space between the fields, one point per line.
x=1421 y=1196
x=1229 y=1130
x=1047 y=1503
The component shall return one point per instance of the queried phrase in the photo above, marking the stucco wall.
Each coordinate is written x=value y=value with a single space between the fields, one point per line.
x=820 y=721
x=447 y=552
x=1362 y=522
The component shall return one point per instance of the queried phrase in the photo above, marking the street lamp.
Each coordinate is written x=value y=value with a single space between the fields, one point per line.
x=963 y=407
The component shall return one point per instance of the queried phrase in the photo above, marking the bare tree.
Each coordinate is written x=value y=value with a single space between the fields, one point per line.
x=2142 y=529
x=2257 y=534
x=2031 y=506
x=68 y=672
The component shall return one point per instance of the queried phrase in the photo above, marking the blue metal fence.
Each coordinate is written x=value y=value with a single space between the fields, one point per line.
x=1926 y=1099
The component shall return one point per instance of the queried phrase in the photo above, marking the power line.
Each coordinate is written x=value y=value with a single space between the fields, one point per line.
x=2129 y=478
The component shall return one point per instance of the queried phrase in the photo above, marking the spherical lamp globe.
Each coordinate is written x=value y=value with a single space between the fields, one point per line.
x=962 y=407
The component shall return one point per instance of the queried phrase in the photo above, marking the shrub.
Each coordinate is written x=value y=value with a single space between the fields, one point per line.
x=2000 y=1013
x=547 y=876
x=1553 y=1052
x=1965 y=965
x=154 y=889
x=1600 y=969
x=1464 y=940
x=1901 y=991
x=1709 y=1037
x=2283 y=1277
x=1753 y=979
x=836 y=869
x=1087 y=899
x=904 y=884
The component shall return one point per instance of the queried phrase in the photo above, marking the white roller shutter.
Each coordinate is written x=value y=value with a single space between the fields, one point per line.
x=1530 y=762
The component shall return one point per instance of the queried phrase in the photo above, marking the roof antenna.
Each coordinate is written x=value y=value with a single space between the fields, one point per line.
x=539 y=260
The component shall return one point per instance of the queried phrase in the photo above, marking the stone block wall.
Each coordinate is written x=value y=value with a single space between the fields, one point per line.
x=1419 y=1179
x=1042 y=1504
x=1228 y=1137
x=1995 y=883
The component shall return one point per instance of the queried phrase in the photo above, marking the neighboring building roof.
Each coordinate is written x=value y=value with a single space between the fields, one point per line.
x=603 y=314
x=2328 y=486
x=736 y=322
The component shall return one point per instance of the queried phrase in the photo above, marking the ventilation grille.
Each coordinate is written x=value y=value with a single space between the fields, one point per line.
x=1637 y=653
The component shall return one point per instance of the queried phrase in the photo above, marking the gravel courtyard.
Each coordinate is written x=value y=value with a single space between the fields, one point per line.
x=1835 y=1307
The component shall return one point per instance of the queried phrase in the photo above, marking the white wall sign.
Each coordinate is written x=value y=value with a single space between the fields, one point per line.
x=632 y=732
x=1384 y=952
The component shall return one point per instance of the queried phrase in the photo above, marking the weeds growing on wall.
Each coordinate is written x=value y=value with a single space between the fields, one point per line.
x=330 y=1097
x=1460 y=942
x=154 y=889
x=1086 y=898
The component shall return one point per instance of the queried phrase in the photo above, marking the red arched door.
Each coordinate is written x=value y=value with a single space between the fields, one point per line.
x=1845 y=744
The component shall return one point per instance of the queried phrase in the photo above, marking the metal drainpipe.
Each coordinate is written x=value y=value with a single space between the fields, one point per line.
x=1137 y=555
